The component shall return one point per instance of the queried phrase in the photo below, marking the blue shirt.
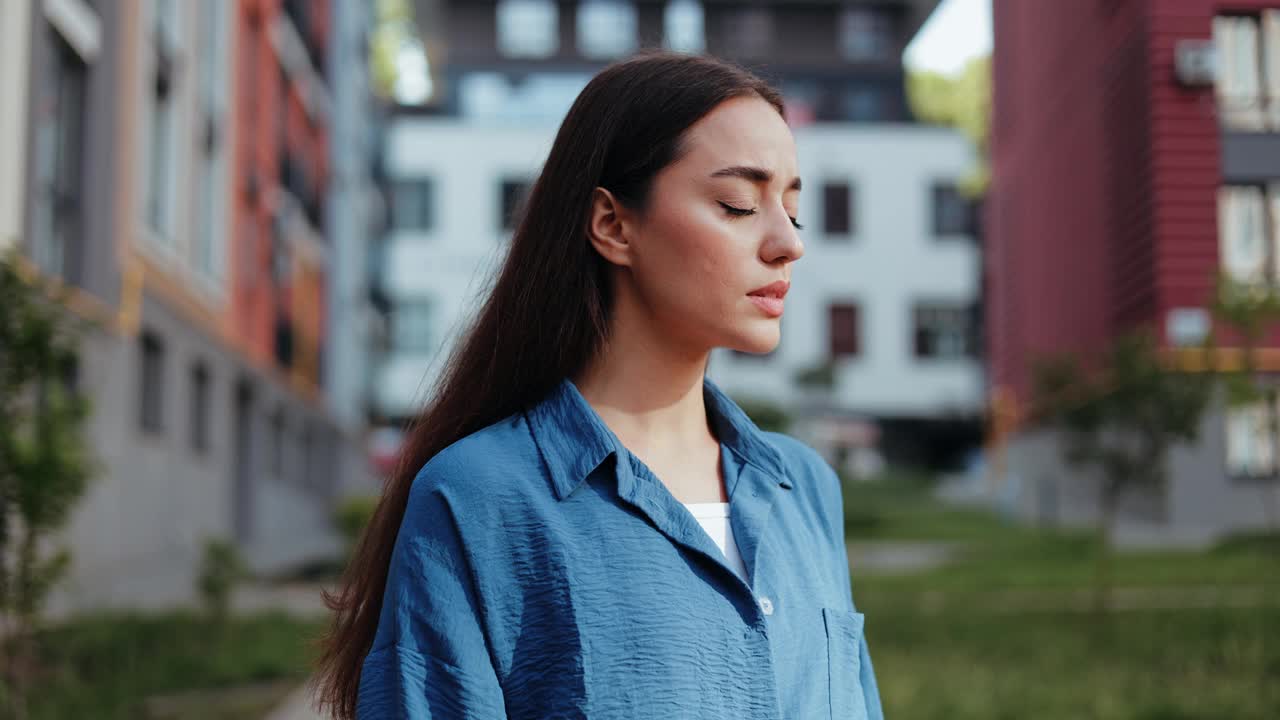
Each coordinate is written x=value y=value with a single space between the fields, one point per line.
x=543 y=571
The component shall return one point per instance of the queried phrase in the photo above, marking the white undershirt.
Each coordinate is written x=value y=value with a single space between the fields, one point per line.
x=714 y=518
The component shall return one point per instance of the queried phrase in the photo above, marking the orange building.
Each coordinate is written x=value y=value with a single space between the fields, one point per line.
x=280 y=175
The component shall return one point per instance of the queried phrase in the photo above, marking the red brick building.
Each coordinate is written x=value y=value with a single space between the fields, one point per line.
x=1112 y=172
x=281 y=171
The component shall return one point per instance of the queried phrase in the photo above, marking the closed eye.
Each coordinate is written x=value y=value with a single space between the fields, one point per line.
x=742 y=212
x=737 y=211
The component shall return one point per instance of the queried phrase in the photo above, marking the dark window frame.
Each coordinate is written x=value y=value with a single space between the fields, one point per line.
x=846 y=343
x=151 y=371
x=923 y=347
x=877 y=33
x=201 y=382
x=835 y=226
x=275 y=451
x=513 y=194
x=942 y=191
x=1269 y=241
x=425 y=219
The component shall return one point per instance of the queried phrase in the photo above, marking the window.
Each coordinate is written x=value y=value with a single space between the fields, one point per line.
x=862 y=105
x=57 y=233
x=305 y=468
x=413 y=329
x=943 y=331
x=512 y=195
x=211 y=152
x=528 y=28
x=837 y=208
x=411 y=204
x=748 y=33
x=683 y=26
x=162 y=150
x=606 y=28
x=277 y=444
x=842 y=330
x=1247 y=232
x=866 y=34
x=199 y=408
x=950 y=211
x=1248 y=86
x=151 y=383
x=1251 y=440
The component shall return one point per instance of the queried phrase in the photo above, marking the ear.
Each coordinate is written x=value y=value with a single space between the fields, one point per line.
x=608 y=227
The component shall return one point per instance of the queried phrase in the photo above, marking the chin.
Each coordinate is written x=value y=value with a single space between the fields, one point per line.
x=760 y=342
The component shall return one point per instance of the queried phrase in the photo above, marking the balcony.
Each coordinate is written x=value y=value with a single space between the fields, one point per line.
x=300 y=13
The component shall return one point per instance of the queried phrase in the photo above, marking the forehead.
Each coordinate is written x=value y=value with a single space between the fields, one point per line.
x=741 y=131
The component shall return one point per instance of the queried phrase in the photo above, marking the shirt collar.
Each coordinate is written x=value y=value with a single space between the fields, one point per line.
x=574 y=440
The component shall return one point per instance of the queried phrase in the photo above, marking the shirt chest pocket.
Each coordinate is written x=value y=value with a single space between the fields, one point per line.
x=844 y=663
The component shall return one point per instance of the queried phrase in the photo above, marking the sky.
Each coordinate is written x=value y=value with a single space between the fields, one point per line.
x=957 y=31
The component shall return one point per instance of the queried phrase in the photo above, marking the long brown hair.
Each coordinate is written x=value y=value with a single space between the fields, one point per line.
x=548 y=313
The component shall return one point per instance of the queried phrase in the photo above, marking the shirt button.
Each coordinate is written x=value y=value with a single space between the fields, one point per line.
x=766 y=605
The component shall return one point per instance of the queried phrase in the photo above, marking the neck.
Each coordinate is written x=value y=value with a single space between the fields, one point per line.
x=646 y=388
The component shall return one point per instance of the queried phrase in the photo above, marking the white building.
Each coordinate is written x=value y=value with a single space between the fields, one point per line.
x=885 y=291
x=14 y=56
x=355 y=215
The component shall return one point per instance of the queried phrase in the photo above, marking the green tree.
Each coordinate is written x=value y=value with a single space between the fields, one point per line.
x=961 y=101
x=221 y=569
x=766 y=415
x=1252 y=310
x=393 y=27
x=1119 y=418
x=821 y=376
x=44 y=464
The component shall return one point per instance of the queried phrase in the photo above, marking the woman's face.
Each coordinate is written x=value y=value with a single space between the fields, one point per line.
x=710 y=256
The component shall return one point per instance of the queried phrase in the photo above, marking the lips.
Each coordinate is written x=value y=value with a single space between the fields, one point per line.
x=772 y=290
x=769 y=297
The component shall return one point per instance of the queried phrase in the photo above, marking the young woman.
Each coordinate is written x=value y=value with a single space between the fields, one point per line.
x=584 y=526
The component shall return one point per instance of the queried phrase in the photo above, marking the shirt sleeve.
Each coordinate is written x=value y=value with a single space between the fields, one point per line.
x=430 y=659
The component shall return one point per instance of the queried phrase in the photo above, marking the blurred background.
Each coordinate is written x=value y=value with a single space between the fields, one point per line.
x=1034 y=330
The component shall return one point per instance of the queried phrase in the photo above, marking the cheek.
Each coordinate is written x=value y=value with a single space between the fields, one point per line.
x=700 y=262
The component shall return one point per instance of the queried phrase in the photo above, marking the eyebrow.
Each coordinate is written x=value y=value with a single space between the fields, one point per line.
x=754 y=174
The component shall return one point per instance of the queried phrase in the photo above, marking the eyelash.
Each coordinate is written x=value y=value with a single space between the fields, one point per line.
x=742 y=212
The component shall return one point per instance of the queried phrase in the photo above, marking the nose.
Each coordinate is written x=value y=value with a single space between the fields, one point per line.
x=782 y=242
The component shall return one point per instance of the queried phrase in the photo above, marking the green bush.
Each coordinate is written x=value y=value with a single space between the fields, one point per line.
x=105 y=666
x=352 y=516
x=220 y=570
x=766 y=415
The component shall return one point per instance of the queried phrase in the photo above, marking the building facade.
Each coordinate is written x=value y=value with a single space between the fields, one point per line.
x=836 y=60
x=357 y=212
x=1122 y=184
x=177 y=165
x=14 y=59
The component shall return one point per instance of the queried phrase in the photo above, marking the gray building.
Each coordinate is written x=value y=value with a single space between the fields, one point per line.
x=127 y=198
x=357 y=215
x=835 y=60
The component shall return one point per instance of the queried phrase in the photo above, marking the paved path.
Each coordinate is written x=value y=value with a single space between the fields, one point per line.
x=301 y=599
x=297 y=706
x=899 y=556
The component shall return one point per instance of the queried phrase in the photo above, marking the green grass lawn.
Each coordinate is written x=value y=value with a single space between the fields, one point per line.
x=1210 y=664
x=947 y=643
x=104 y=667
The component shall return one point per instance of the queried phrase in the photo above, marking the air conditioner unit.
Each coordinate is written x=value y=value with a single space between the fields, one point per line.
x=1195 y=63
